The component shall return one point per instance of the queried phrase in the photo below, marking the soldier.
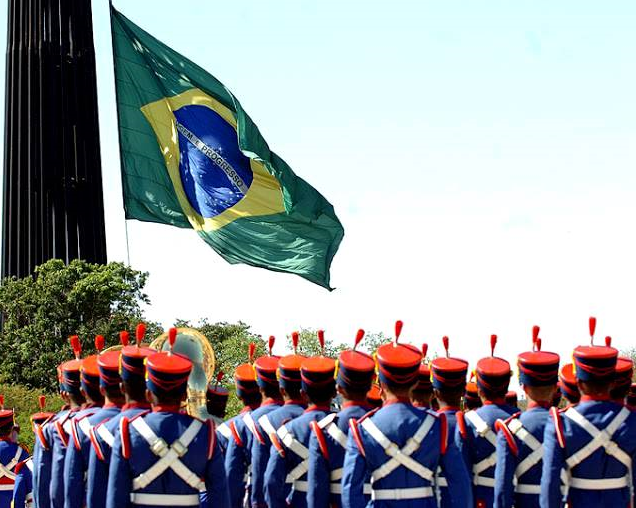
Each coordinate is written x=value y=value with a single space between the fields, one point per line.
x=216 y=400
x=102 y=373
x=399 y=445
x=374 y=397
x=449 y=383
x=512 y=399
x=288 y=461
x=237 y=455
x=475 y=434
x=556 y=400
x=520 y=437
x=594 y=441
x=328 y=441
x=471 y=397
x=422 y=392
x=23 y=487
x=59 y=433
x=267 y=424
x=623 y=376
x=11 y=454
x=133 y=385
x=166 y=457
x=630 y=400
x=567 y=384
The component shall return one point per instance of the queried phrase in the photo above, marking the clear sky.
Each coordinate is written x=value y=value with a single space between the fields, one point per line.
x=479 y=154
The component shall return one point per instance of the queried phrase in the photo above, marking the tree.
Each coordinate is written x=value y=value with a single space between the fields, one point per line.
x=308 y=344
x=41 y=311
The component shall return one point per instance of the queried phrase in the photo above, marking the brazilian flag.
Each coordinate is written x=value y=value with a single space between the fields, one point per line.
x=193 y=158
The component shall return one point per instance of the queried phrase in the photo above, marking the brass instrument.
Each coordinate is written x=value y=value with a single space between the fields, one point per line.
x=194 y=345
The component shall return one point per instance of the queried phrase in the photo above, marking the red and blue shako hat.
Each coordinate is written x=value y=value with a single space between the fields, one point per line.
x=108 y=365
x=567 y=382
x=245 y=375
x=133 y=358
x=41 y=416
x=624 y=369
x=449 y=373
x=267 y=366
x=493 y=373
x=472 y=395
x=167 y=372
x=595 y=363
x=424 y=382
x=7 y=416
x=630 y=400
x=289 y=367
x=217 y=394
x=71 y=369
x=536 y=367
x=317 y=372
x=398 y=364
x=90 y=377
x=355 y=369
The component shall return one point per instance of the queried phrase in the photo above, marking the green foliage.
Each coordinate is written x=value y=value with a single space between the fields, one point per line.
x=308 y=344
x=230 y=342
x=25 y=403
x=42 y=311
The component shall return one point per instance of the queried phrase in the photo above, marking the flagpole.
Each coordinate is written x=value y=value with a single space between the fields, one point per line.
x=121 y=161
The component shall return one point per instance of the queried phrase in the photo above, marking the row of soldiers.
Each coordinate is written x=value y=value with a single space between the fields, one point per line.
x=123 y=439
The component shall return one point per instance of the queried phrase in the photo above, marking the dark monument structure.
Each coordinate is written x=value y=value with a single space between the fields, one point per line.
x=53 y=202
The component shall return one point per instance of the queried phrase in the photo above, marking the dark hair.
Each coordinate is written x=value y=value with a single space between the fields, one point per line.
x=113 y=392
x=490 y=394
x=169 y=399
x=252 y=398
x=321 y=395
x=6 y=429
x=293 y=390
x=76 y=398
x=595 y=386
x=451 y=396
x=94 y=394
x=271 y=391
x=619 y=392
x=351 y=394
x=135 y=388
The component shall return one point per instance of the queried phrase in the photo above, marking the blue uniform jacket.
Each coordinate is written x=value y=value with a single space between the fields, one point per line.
x=599 y=465
x=508 y=458
x=444 y=499
x=283 y=460
x=99 y=460
x=60 y=433
x=131 y=457
x=260 y=451
x=11 y=454
x=399 y=421
x=475 y=448
x=323 y=461
x=237 y=459
x=78 y=454
x=23 y=487
x=43 y=460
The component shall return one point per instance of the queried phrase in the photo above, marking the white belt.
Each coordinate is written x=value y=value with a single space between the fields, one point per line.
x=441 y=482
x=300 y=486
x=527 y=488
x=6 y=486
x=600 y=484
x=336 y=488
x=482 y=481
x=165 y=499
x=398 y=494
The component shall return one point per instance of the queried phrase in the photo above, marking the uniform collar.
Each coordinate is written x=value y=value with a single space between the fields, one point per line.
x=448 y=409
x=496 y=402
x=165 y=408
x=296 y=402
x=6 y=438
x=420 y=405
x=315 y=407
x=269 y=401
x=534 y=404
x=135 y=405
x=354 y=403
x=110 y=405
x=595 y=398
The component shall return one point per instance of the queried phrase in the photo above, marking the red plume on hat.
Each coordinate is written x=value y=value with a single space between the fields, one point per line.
x=295 y=337
x=398 y=331
x=493 y=343
x=321 y=341
x=445 y=341
x=251 y=349
x=592 y=329
x=359 y=337
x=608 y=341
x=424 y=351
x=270 y=344
x=219 y=376
x=140 y=333
x=1 y=401
x=42 y=402
x=76 y=346
x=172 y=338
x=99 y=343
x=538 y=344
x=124 y=338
